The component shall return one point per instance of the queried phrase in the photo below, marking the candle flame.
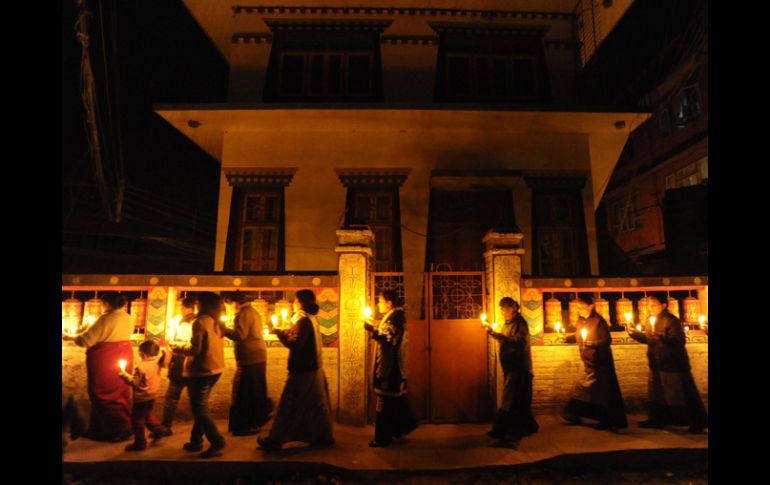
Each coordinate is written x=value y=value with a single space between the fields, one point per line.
x=266 y=332
x=639 y=328
x=122 y=364
x=368 y=312
x=274 y=319
x=484 y=317
x=223 y=318
x=494 y=326
x=628 y=317
x=584 y=333
x=701 y=319
x=557 y=326
x=284 y=312
x=73 y=329
x=686 y=328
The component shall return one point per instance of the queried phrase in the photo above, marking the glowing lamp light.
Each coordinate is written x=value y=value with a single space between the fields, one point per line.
x=639 y=328
x=73 y=329
x=266 y=332
x=494 y=326
x=122 y=364
x=686 y=328
x=91 y=319
x=284 y=313
x=702 y=319
x=368 y=312
x=652 y=323
x=629 y=316
x=274 y=319
x=584 y=333
x=223 y=319
x=557 y=326
x=484 y=318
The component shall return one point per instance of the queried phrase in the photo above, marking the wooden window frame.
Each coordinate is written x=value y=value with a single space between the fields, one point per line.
x=234 y=259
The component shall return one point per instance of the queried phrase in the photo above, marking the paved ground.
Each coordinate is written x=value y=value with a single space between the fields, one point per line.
x=444 y=453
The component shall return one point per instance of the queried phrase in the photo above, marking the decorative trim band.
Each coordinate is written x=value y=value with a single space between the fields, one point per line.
x=535 y=182
x=424 y=11
x=490 y=29
x=367 y=177
x=346 y=25
x=409 y=39
x=260 y=177
x=252 y=37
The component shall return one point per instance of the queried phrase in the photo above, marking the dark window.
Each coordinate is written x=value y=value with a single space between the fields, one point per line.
x=688 y=106
x=501 y=68
x=379 y=209
x=324 y=66
x=560 y=246
x=457 y=224
x=256 y=230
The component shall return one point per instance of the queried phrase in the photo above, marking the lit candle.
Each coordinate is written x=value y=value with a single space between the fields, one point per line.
x=686 y=328
x=274 y=319
x=368 y=312
x=223 y=319
x=91 y=319
x=284 y=313
x=638 y=328
x=122 y=365
x=266 y=332
x=557 y=326
x=484 y=318
x=702 y=319
x=629 y=316
x=584 y=333
x=73 y=329
x=494 y=326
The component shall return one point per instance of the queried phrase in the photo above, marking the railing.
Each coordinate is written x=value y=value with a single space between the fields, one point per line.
x=155 y=300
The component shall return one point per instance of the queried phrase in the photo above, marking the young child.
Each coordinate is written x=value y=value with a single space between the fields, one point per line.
x=146 y=383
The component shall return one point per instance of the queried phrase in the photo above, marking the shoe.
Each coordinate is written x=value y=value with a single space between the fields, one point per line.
x=601 y=426
x=650 y=424
x=192 y=446
x=494 y=435
x=378 y=444
x=136 y=447
x=166 y=432
x=157 y=435
x=268 y=444
x=213 y=451
x=245 y=432
x=571 y=419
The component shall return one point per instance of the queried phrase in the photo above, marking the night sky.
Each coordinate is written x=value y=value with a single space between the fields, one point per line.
x=169 y=217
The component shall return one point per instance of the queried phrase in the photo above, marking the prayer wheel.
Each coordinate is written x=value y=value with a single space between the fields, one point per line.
x=71 y=315
x=644 y=309
x=93 y=310
x=281 y=305
x=552 y=312
x=574 y=312
x=138 y=312
x=673 y=306
x=622 y=307
x=602 y=307
x=691 y=310
x=260 y=306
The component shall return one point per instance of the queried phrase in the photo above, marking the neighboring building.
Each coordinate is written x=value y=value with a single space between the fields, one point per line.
x=430 y=123
x=647 y=212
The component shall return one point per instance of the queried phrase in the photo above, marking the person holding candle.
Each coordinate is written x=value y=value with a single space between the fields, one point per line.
x=672 y=397
x=107 y=341
x=514 y=419
x=394 y=417
x=177 y=381
x=250 y=408
x=596 y=394
x=146 y=383
x=304 y=411
x=203 y=366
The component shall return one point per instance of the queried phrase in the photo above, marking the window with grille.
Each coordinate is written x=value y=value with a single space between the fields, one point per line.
x=256 y=229
x=379 y=209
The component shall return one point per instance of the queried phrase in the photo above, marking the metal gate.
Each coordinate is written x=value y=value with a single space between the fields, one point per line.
x=447 y=348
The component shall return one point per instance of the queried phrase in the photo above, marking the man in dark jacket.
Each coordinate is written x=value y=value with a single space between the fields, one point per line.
x=671 y=394
x=596 y=394
x=250 y=407
x=514 y=419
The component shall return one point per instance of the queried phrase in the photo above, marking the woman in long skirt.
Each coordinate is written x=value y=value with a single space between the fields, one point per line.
x=304 y=411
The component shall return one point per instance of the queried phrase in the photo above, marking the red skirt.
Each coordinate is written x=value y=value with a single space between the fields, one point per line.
x=109 y=394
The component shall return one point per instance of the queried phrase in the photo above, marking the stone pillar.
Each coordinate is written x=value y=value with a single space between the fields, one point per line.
x=354 y=247
x=502 y=260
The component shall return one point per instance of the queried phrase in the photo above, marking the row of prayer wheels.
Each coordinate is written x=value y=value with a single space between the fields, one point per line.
x=623 y=307
x=75 y=316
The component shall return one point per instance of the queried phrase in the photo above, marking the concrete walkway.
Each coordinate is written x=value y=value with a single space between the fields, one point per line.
x=430 y=448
